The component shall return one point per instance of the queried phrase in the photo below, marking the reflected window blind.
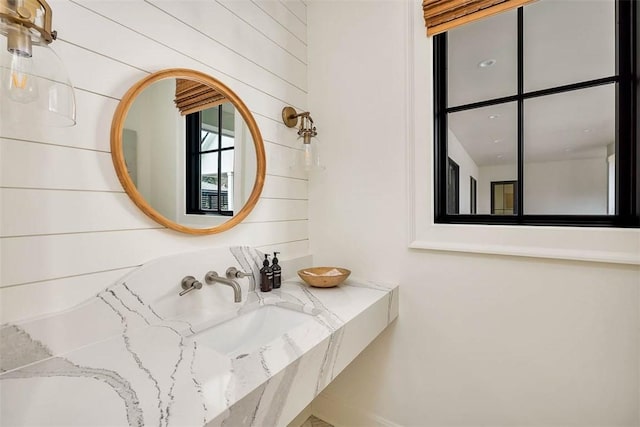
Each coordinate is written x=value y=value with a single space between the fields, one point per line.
x=192 y=97
x=443 y=15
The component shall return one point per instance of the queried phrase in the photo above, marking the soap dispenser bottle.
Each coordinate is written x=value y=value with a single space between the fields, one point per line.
x=277 y=271
x=266 y=276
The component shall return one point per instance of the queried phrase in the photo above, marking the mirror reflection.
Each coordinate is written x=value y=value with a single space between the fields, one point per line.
x=193 y=169
x=185 y=153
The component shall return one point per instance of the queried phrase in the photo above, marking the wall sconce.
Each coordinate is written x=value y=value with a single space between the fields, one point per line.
x=309 y=158
x=34 y=86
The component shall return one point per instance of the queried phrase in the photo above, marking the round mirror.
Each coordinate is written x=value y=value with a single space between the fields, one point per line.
x=188 y=152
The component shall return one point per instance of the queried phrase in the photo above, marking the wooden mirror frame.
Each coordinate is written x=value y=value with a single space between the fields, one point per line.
x=117 y=153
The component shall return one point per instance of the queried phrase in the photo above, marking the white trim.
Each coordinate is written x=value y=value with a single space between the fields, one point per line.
x=337 y=413
x=610 y=245
x=301 y=417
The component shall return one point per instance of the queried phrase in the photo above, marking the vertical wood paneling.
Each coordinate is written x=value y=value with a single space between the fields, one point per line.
x=67 y=228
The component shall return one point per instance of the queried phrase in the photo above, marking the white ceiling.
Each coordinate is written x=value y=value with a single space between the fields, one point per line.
x=566 y=41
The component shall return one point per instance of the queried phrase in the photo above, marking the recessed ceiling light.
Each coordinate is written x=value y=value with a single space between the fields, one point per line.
x=500 y=156
x=586 y=130
x=497 y=141
x=494 y=116
x=566 y=150
x=487 y=63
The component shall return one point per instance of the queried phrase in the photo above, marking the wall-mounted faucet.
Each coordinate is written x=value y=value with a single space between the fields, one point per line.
x=234 y=273
x=212 y=277
x=189 y=283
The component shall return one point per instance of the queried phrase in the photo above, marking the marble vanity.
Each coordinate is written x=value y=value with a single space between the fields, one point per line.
x=138 y=354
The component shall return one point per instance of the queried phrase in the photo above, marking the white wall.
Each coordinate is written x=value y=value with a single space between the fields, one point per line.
x=569 y=187
x=160 y=130
x=480 y=339
x=577 y=186
x=67 y=229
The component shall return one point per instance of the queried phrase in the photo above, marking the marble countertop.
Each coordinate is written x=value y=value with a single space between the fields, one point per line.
x=130 y=357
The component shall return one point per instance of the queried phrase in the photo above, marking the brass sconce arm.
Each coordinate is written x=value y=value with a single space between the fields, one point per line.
x=307 y=129
x=290 y=116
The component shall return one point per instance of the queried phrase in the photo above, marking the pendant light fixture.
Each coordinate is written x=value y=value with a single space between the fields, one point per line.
x=34 y=86
x=309 y=159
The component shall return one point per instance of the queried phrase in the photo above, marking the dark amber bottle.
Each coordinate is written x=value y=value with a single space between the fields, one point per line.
x=266 y=276
x=277 y=271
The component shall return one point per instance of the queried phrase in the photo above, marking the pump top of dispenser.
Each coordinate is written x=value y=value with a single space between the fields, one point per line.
x=265 y=263
x=275 y=257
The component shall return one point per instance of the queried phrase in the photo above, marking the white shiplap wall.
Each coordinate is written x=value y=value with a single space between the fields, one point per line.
x=67 y=229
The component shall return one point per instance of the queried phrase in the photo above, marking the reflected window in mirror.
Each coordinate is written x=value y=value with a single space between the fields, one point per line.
x=210 y=159
x=535 y=108
x=151 y=155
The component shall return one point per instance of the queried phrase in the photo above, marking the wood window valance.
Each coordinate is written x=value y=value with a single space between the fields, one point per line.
x=443 y=15
x=192 y=96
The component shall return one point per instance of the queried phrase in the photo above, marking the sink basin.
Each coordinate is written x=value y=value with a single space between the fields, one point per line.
x=250 y=331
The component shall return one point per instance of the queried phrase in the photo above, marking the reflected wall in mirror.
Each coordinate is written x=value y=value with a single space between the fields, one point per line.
x=188 y=152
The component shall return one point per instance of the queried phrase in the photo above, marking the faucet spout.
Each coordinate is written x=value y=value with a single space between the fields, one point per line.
x=213 y=277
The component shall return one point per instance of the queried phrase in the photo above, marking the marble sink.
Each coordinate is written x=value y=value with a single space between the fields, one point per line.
x=246 y=333
x=139 y=354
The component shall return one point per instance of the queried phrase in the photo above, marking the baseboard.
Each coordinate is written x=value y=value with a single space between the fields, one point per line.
x=301 y=417
x=339 y=414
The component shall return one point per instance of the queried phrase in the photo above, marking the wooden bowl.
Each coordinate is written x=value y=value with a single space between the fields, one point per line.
x=320 y=281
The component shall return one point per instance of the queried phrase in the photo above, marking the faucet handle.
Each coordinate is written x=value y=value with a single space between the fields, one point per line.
x=234 y=273
x=189 y=283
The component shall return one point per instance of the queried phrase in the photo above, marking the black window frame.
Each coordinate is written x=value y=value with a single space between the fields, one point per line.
x=193 y=171
x=627 y=79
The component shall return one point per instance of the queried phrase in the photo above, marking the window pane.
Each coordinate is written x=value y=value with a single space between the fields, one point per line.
x=228 y=124
x=209 y=140
x=209 y=181
x=227 y=179
x=482 y=59
x=483 y=142
x=568 y=139
x=209 y=118
x=567 y=42
x=227 y=141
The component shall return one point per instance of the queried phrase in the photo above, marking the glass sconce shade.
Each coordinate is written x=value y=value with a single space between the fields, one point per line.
x=308 y=159
x=36 y=89
x=34 y=85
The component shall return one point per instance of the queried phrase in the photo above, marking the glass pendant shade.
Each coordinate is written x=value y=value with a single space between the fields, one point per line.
x=34 y=85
